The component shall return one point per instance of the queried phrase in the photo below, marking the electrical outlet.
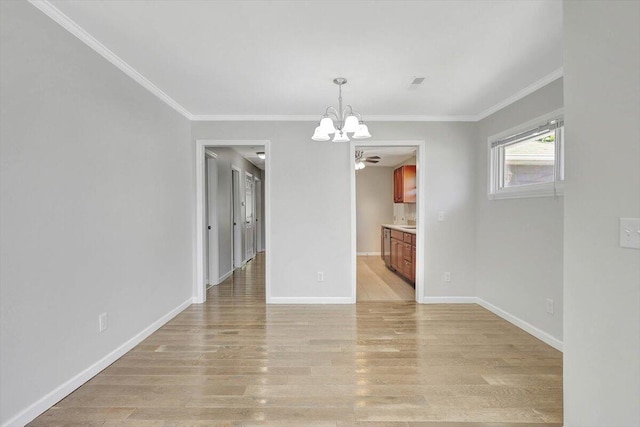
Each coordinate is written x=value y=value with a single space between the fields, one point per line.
x=549 y=306
x=441 y=216
x=103 y=322
x=447 y=276
x=320 y=276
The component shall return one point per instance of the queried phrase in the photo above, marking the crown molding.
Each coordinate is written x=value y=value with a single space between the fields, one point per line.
x=316 y=118
x=555 y=75
x=68 y=24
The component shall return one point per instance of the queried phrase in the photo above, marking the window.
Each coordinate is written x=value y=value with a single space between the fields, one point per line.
x=528 y=162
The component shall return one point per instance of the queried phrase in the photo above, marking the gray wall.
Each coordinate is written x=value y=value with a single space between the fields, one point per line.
x=226 y=158
x=97 y=207
x=374 y=206
x=310 y=203
x=519 y=241
x=602 y=280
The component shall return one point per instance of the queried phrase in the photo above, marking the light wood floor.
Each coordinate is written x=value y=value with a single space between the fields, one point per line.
x=236 y=362
x=377 y=283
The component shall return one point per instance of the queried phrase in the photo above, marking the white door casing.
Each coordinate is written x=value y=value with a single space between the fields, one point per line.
x=249 y=217
x=236 y=217
x=212 y=221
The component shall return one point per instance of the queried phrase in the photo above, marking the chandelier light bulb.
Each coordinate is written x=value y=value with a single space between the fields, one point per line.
x=351 y=124
x=340 y=136
x=326 y=124
x=320 y=135
x=362 y=132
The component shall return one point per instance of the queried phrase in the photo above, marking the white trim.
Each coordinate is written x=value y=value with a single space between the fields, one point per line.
x=525 y=326
x=201 y=144
x=369 y=253
x=225 y=276
x=527 y=125
x=68 y=24
x=553 y=76
x=315 y=117
x=32 y=411
x=310 y=300
x=450 y=300
x=421 y=226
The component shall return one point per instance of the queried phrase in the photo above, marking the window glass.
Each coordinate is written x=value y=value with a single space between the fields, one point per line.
x=531 y=161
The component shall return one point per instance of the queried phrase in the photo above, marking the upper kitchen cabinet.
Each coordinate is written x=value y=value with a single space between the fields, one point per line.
x=404 y=184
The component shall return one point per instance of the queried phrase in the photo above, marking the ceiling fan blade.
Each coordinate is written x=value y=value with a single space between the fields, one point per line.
x=374 y=157
x=371 y=161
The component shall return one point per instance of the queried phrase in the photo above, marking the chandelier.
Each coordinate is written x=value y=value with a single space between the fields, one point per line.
x=340 y=121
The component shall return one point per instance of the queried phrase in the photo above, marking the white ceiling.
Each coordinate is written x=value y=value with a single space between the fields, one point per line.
x=259 y=58
x=390 y=156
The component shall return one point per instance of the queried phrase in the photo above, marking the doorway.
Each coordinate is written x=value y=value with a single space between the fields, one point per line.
x=387 y=202
x=236 y=239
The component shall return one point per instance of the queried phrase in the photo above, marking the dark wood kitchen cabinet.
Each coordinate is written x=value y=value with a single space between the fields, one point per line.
x=402 y=257
x=404 y=184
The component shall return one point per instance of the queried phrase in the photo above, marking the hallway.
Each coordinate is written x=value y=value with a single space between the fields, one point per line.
x=235 y=360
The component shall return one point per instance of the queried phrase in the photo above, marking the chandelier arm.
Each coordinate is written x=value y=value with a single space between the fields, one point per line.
x=332 y=110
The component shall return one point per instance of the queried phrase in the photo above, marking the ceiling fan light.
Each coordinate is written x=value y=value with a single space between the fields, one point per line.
x=340 y=136
x=360 y=165
x=326 y=124
x=320 y=135
x=351 y=124
x=362 y=132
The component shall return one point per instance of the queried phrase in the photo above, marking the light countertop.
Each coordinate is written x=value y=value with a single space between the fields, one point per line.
x=400 y=227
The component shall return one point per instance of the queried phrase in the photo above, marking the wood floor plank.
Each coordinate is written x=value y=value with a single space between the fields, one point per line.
x=236 y=361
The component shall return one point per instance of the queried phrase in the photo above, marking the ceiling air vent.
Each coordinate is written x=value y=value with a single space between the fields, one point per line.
x=415 y=82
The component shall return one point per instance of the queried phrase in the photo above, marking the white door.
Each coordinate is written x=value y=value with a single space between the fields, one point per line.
x=236 y=216
x=250 y=249
x=212 y=222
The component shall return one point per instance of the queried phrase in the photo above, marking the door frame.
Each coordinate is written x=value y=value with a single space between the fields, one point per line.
x=199 y=286
x=211 y=219
x=251 y=177
x=258 y=197
x=237 y=254
x=420 y=211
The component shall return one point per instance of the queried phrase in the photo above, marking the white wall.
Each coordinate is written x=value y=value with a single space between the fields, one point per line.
x=374 y=206
x=310 y=209
x=602 y=280
x=519 y=241
x=97 y=210
x=226 y=158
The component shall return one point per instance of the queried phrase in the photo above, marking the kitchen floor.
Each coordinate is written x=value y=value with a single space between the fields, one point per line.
x=377 y=283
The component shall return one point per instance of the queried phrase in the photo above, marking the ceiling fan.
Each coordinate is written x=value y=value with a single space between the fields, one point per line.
x=361 y=159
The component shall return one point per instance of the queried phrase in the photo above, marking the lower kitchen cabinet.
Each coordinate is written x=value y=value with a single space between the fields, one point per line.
x=402 y=256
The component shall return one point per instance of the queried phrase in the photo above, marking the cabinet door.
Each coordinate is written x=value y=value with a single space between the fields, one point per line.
x=398 y=185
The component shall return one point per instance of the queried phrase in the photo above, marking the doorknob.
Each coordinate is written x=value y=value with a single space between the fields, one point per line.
x=209 y=227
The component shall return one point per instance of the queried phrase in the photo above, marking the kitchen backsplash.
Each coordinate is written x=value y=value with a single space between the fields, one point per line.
x=404 y=213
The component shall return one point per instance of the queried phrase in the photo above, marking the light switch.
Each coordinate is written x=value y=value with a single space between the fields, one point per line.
x=630 y=233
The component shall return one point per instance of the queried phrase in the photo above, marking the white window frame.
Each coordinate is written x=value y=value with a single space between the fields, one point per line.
x=495 y=166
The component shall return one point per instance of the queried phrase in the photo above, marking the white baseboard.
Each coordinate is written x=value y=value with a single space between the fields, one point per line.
x=225 y=276
x=31 y=412
x=525 y=326
x=368 y=253
x=311 y=300
x=450 y=300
